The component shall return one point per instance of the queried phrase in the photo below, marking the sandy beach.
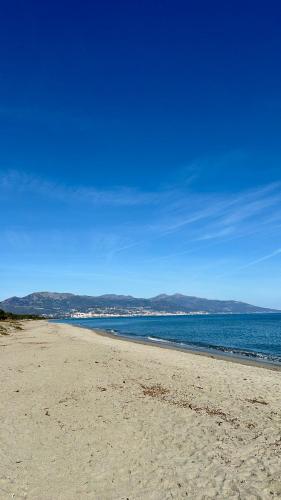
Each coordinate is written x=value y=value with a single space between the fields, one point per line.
x=85 y=416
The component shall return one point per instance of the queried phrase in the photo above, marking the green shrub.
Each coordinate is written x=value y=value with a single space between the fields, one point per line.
x=4 y=315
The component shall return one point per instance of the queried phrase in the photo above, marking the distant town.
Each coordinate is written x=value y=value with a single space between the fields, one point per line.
x=109 y=312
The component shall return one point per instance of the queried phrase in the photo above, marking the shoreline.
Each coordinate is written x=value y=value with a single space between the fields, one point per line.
x=223 y=356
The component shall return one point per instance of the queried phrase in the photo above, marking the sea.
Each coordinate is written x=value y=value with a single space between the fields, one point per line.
x=245 y=336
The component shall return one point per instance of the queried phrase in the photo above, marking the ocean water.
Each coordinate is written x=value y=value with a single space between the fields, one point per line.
x=256 y=336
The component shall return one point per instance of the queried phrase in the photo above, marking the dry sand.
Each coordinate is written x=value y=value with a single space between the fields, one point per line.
x=85 y=416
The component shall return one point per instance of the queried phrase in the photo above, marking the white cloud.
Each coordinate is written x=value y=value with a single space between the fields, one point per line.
x=20 y=182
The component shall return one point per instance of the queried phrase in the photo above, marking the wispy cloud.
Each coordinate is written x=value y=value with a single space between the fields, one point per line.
x=220 y=219
x=215 y=234
x=20 y=182
x=261 y=259
x=176 y=212
x=226 y=215
x=251 y=263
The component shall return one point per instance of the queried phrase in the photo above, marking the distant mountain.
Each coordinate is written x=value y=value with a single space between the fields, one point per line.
x=64 y=304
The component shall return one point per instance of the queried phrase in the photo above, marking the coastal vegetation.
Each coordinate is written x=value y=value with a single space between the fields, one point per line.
x=10 y=321
x=4 y=315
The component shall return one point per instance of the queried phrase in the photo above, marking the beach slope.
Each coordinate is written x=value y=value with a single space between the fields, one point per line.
x=91 y=417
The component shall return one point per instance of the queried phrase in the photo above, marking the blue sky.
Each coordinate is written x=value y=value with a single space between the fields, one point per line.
x=140 y=148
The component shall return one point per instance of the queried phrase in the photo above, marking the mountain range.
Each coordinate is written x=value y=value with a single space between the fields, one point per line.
x=65 y=304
